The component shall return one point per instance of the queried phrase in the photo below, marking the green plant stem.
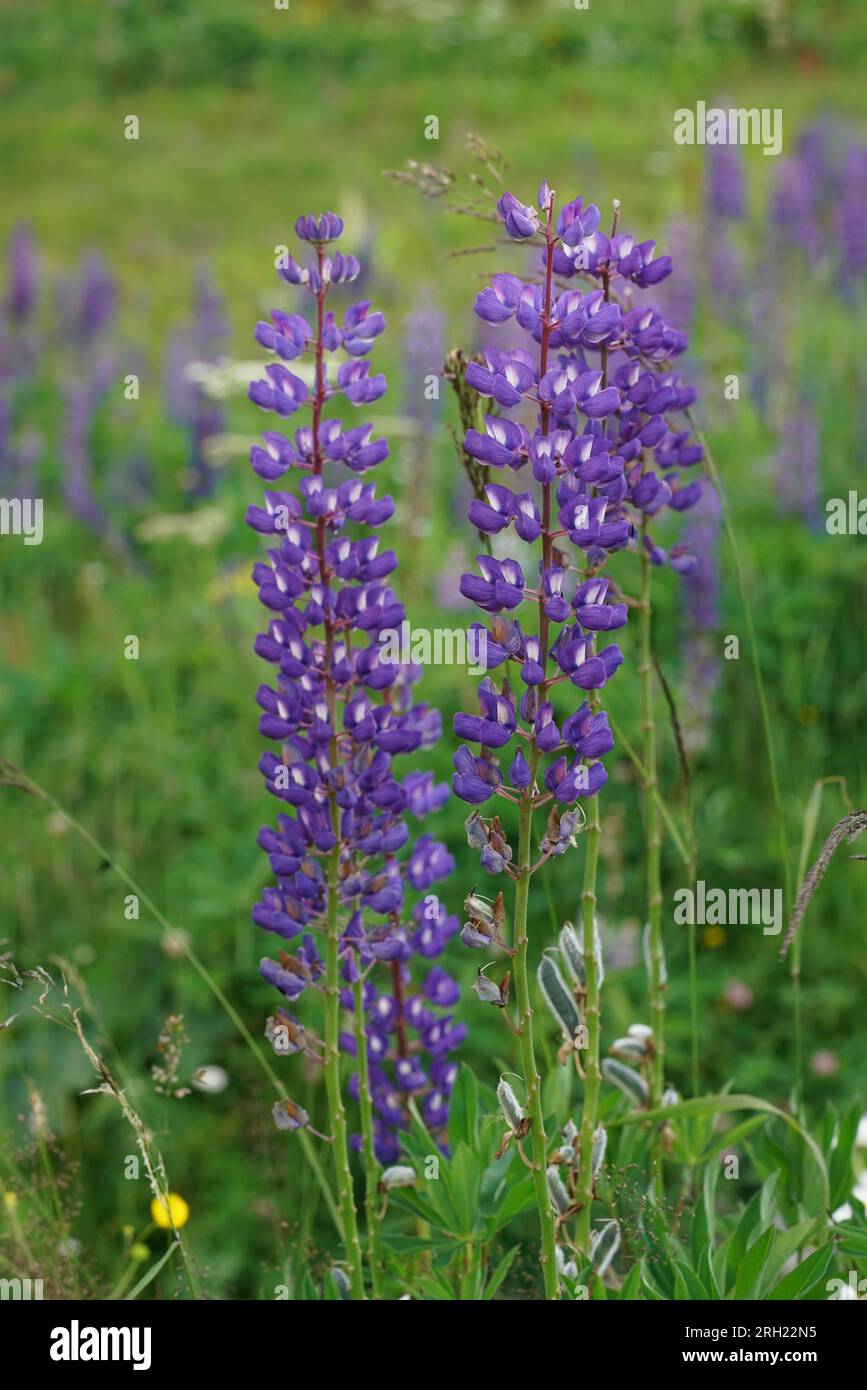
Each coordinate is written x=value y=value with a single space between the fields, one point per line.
x=337 y=1113
x=532 y=1081
x=656 y=986
x=695 y=1056
x=592 y=1018
x=336 y=1110
x=371 y=1170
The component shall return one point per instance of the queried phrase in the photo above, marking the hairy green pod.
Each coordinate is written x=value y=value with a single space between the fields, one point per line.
x=600 y=1144
x=558 y=997
x=629 y=1081
x=629 y=1047
x=512 y=1112
x=560 y=1199
x=604 y=1246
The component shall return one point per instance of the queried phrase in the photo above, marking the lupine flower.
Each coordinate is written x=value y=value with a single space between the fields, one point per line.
x=679 y=294
x=794 y=208
x=204 y=341
x=725 y=203
x=725 y=182
x=23 y=275
x=797 y=465
x=340 y=714
x=603 y=455
x=79 y=484
x=852 y=212
x=87 y=303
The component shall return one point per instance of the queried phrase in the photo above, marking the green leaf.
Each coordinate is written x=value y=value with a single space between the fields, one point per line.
x=707 y=1273
x=630 y=1289
x=688 y=1285
x=749 y=1221
x=854 y=1241
x=152 y=1272
x=729 y=1138
x=753 y=1265
x=464 y=1111
x=840 y=1170
x=466 y=1181
x=798 y=1283
x=517 y=1197
x=787 y=1243
x=766 y=1203
x=499 y=1273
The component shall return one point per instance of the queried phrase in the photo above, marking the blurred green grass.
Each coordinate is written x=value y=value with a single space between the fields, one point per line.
x=248 y=117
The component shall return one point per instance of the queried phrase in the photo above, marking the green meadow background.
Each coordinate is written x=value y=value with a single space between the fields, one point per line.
x=248 y=116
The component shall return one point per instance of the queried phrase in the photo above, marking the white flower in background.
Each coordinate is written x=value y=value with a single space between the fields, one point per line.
x=211 y=1080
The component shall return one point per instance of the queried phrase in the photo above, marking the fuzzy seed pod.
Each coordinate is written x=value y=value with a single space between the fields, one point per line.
x=640 y=1030
x=570 y=948
x=597 y=951
x=604 y=1246
x=568 y=1268
x=399 y=1175
x=341 y=1279
x=512 y=1112
x=670 y=1096
x=600 y=1143
x=560 y=1199
x=629 y=1081
x=629 y=1047
x=558 y=998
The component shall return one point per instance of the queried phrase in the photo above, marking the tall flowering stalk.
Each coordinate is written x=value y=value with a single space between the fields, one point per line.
x=599 y=432
x=341 y=712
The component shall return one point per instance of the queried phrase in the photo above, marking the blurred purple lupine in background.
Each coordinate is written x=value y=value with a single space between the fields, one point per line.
x=725 y=205
x=797 y=465
x=852 y=213
x=20 y=443
x=423 y=353
x=204 y=340
x=87 y=303
x=87 y=310
x=677 y=294
x=23 y=276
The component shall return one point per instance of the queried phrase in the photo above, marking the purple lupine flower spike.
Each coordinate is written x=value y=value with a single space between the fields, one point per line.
x=204 y=341
x=340 y=713
x=605 y=454
x=23 y=275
